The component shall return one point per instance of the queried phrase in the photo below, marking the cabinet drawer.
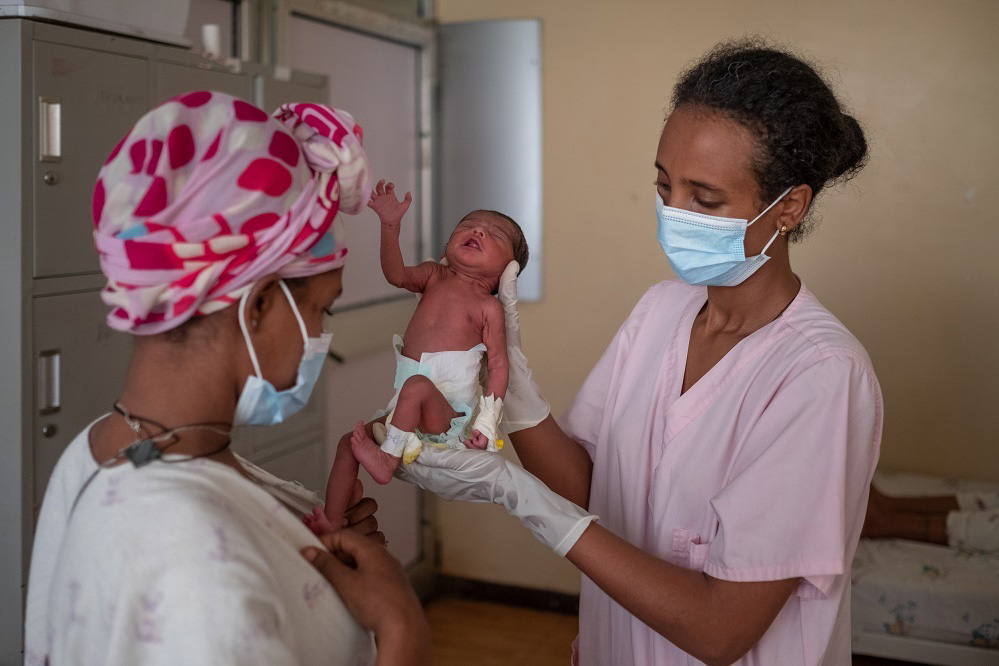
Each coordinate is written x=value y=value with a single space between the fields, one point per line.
x=84 y=102
x=79 y=366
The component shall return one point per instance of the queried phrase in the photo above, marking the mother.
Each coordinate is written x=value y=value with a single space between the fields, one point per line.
x=727 y=436
x=218 y=231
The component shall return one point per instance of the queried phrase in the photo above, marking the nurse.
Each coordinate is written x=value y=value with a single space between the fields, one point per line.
x=217 y=228
x=727 y=437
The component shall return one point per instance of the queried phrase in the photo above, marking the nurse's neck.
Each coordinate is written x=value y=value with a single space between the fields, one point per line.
x=748 y=307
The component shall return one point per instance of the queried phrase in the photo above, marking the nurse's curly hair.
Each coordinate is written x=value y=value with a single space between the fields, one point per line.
x=804 y=135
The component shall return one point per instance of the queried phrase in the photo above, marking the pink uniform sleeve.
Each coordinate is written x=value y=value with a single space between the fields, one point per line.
x=793 y=505
x=585 y=415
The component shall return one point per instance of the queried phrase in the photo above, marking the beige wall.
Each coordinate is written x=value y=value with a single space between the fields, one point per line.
x=907 y=255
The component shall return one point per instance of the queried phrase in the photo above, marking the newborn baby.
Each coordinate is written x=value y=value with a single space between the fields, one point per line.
x=438 y=400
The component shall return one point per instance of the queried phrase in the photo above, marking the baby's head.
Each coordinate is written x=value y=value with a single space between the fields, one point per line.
x=483 y=244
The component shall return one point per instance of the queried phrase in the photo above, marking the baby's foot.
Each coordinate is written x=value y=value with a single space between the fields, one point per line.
x=318 y=522
x=380 y=465
x=477 y=441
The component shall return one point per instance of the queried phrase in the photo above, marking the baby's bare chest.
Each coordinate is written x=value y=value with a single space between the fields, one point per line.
x=445 y=320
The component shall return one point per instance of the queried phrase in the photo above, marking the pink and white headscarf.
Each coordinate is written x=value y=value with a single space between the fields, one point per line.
x=207 y=194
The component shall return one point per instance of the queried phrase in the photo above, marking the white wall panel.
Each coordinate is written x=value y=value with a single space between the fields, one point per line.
x=376 y=81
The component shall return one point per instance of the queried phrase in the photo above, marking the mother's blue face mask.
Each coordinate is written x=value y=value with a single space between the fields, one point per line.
x=259 y=402
x=708 y=250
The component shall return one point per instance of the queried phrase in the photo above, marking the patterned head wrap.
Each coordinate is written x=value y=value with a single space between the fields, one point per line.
x=207 y=194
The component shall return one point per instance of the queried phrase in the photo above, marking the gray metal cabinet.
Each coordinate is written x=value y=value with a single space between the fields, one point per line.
x=70 y=96
x=79 y=365
x=173 y=79
x=86 y=100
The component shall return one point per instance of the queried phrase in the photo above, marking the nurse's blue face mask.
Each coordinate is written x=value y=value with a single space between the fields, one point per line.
x=708 y=250
x=262 y=404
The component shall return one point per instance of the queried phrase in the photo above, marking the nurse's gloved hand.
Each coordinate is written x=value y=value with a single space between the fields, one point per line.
x=481 y=476
x=523 y=406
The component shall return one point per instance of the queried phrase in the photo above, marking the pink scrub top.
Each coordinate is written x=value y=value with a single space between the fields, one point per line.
x=760 y=471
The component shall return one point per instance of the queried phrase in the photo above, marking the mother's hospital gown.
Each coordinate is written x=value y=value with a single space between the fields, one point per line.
x=180 y=563
x=758 y=472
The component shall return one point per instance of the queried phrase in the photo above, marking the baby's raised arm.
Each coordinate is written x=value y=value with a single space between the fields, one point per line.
x=390 y=212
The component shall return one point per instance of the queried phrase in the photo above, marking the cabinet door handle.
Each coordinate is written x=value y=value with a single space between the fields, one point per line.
x=49 y=130
x=48 y=381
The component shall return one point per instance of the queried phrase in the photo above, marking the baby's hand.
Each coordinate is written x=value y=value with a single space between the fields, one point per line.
x=477 y=441
x=389 y=209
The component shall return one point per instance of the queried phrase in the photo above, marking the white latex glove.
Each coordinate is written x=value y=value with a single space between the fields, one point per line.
x=480 y=476
x=487 y=417
x=524 y=407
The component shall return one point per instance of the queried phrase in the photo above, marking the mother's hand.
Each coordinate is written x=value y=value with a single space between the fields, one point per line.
x=523 y=406
x=377 y=592
x=360 y=515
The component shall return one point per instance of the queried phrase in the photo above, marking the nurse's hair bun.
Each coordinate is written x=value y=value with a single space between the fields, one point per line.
x=853 y=157
x=804 y=135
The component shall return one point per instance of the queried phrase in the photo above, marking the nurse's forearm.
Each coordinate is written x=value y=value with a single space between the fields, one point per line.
x=714 y=620
x=557 y=459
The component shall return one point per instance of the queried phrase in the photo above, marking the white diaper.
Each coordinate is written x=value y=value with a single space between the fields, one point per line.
x=456 y=375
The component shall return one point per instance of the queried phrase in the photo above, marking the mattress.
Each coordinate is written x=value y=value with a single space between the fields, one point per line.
x=925 y=591
x=921 y=590
x=903 y=484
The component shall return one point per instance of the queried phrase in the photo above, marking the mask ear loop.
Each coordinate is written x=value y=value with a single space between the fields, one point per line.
x=776 y=201
x=294 y=308
x=776 y=233
x=246 y=334
x=769 y=243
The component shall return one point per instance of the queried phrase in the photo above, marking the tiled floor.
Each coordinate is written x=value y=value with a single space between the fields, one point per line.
x=487 y=634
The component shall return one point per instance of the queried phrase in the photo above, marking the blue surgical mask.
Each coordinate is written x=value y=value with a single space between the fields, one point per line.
x=260 y=403
x=708 y=250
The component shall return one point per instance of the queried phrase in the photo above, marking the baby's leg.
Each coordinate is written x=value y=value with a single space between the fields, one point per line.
x=420 y=406
x=339 y=489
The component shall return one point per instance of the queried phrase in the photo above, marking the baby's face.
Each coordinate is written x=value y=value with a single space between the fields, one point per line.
x=482 y=242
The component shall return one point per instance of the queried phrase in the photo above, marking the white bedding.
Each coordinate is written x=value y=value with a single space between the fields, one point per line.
x=925 y=591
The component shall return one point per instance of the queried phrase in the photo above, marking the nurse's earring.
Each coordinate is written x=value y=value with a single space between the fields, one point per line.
x=783 y=230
